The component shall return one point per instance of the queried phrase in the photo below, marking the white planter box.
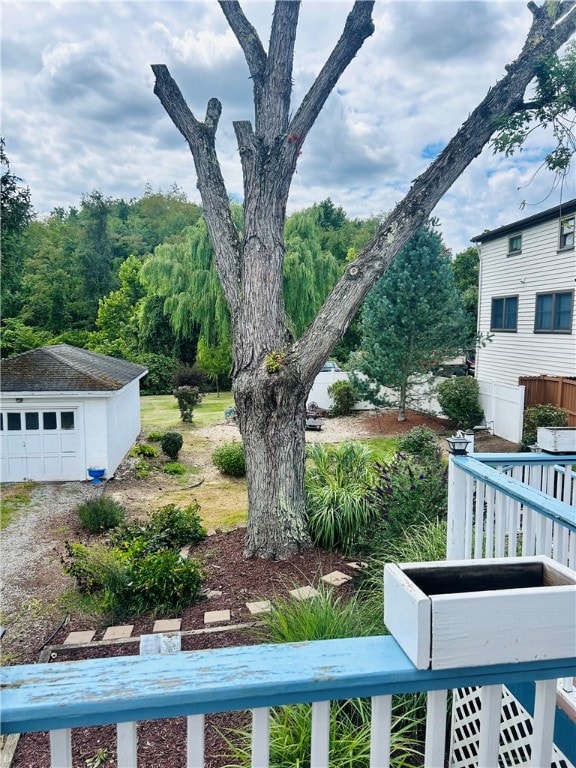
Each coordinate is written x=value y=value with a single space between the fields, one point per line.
x=469 y=613
x=557 y=439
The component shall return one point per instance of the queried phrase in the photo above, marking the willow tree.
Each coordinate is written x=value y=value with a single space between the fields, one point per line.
x=184 y=275
x=309 y=271
x=272 y=373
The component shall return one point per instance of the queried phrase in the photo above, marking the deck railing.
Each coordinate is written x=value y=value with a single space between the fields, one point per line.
x=505 y=505
x=124 y=690
x=499 y=505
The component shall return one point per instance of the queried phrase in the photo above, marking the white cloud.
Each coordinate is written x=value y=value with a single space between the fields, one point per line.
x=79 y=111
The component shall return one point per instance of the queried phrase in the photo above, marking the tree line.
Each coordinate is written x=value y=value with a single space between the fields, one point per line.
x=137 y=279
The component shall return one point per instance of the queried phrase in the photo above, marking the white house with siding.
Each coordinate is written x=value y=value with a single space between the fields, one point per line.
x=65 y=409
x=526 y=305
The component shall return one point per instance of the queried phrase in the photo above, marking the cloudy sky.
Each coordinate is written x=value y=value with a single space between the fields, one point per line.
x=79 y=113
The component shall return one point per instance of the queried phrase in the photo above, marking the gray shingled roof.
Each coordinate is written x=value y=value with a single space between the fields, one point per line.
x=62 y=368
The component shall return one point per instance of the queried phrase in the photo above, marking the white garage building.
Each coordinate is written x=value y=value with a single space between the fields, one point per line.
x=65 y=409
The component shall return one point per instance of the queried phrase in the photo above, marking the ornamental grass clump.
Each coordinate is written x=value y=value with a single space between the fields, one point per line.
x=325 y=616
x=339 y=479
x=100 y=514
x=349 y=738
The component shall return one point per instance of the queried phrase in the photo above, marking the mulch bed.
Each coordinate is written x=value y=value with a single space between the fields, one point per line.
x=162 y=743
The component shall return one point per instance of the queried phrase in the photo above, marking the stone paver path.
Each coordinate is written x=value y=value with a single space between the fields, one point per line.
x=335 y=579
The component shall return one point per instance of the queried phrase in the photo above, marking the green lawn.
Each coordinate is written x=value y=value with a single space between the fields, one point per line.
x=160 y=412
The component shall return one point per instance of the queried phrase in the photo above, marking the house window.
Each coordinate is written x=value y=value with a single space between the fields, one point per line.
x=32 y=421
x=504 y=315
x=566 y=234
x=514 y=244
x=554 y=312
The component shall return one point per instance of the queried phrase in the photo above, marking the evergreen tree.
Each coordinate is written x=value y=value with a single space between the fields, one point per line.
x=413 y=315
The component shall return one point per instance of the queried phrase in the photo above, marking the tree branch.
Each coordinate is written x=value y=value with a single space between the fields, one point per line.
x=247 y=37
x=201 y=140
x=272 y=113
x=544 y=38
x=358 y=27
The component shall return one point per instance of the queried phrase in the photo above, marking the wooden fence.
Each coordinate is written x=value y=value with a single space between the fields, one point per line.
x=551 y=390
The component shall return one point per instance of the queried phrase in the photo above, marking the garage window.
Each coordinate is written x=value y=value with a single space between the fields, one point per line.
x=32 y=421
x=67 y=420
x=14 y=423
x=49 y=420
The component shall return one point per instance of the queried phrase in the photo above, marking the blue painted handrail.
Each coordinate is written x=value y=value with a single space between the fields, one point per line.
x=124 y=689
x=477 y=465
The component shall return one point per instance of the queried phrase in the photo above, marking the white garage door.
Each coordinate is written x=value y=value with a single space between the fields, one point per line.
x=41 y=444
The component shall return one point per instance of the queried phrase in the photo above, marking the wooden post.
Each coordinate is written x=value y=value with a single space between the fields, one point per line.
x=456 y=512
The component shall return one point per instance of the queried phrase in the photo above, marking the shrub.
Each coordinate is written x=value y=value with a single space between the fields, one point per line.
x=100 y=514
x=406 y=493
x=161 y=369
x=421 y=442
x=141 y=450
x=174 y=468
x=172 y=527
x=96 y=569
x=338 y=484
x=344 y=397
x=541 y=416
x=163 y=581
x=188 y=398
x=171 y=443
x=230 y=459
x=141 y=470
x=155 y=437
x=191 y=376
x=459 y=398
x=131 y=581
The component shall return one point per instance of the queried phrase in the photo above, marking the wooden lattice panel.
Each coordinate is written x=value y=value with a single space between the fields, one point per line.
x=515 y=732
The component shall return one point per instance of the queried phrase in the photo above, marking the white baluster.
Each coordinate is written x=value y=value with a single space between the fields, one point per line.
x=127 y=745
x=490 y=703
x=320 y=734
x=195 y=741
x=260 y=737
x=543 y=734
x=479 y=520
x=380 y=727
x=436 y=711
x=469 y=517
x=61 y=748
x=500 y=532
x=489 y=521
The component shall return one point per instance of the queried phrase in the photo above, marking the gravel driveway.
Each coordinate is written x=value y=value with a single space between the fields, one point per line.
x=28 y=543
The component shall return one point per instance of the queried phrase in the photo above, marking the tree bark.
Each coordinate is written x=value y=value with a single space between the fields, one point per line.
x=272 y=374
x=272 y=417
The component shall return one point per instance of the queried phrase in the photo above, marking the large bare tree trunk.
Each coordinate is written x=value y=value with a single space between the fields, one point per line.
x=272 y=373
x=272 y=421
